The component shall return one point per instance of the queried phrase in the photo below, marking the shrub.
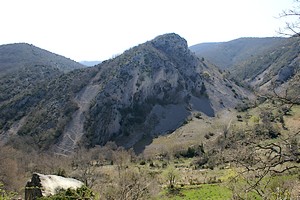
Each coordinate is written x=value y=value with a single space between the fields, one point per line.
x=142 y=162
x=239 y=117
x=5 y=195
x=71 y=194
x=207 y=136
x=201 y=161
x=171 y=176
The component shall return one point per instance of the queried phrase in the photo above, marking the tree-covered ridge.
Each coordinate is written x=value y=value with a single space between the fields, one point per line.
x=16 y=56
x=47 y=119
x=226 y=55
x=21 y=90
x=282 y=57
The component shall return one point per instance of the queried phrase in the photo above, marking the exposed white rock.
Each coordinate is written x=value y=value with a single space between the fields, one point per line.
x=46 y=185
x=53 y=183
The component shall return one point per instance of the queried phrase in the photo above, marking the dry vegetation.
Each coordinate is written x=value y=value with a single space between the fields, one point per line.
x=254 y=153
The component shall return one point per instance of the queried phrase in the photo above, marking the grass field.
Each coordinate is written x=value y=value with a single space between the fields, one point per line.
x=205 y=191
x=194 y=131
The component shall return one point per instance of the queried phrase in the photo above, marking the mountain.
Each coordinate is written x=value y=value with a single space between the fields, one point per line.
x=90 y=63
x=152 y=89
x=149 y=90
x=40 y=112
x=275 y=68
x=228 y=54
x=16 y=56
x=27 y=75
x=264 y=64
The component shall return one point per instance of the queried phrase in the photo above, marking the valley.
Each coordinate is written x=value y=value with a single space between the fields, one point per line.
x=160 y=121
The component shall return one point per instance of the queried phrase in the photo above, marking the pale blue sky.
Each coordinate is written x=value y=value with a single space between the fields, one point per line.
x=99 y=29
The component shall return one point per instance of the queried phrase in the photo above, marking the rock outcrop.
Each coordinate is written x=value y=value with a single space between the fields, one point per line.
x=45 y=185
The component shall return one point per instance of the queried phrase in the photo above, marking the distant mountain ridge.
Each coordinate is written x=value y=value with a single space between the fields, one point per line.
x=15 y=56
x=276 y=67
x=264 y=64
x=90 y=63
x=228 y=54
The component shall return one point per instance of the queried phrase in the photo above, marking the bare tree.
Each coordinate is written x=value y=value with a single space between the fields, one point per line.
x=121 y=159
x=84 y=168
x=134 y=185
x=171 y=175
x=291 y=28
x=10 y=168
x=261 y=160
x=129 y=182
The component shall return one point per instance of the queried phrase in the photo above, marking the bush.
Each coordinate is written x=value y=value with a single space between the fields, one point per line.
x=142 y=162
x=201 y=161
x=242 y=107
x=239 y=117
x=5 y=195
x=71 y=194
x=207 y=136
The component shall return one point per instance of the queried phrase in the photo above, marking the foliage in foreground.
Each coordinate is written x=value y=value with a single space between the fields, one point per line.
x=71 y=194
x=5 y=195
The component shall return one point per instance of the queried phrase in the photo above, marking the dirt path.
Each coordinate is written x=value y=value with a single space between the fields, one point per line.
x=74 y=130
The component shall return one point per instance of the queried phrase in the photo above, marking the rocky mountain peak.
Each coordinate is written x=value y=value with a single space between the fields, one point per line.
x=170 y=42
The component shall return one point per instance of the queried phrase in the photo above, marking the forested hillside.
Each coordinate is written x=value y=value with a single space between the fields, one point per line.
x=226 y=55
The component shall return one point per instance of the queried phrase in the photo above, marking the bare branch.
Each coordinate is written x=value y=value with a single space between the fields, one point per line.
x=291 y=28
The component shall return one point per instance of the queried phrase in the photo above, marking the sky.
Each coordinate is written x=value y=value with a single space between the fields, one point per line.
x=100 y=29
